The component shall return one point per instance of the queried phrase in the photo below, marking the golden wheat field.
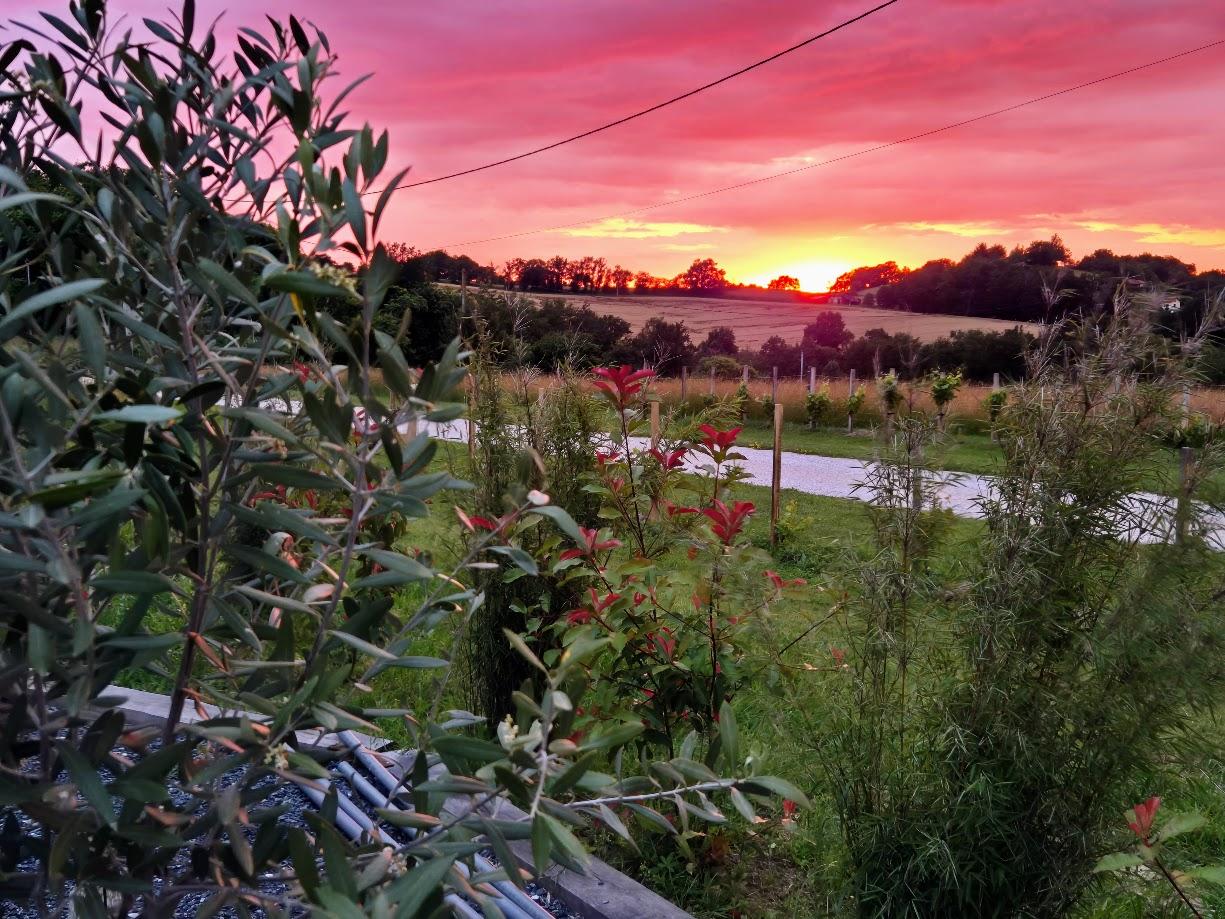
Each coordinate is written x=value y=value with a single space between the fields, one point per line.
x=755 y=320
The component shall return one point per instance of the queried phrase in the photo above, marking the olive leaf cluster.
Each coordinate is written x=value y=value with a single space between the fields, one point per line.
x=198 y=476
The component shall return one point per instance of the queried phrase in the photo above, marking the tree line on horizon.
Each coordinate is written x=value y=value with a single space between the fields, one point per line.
x=549 y=332
x=1037 y=282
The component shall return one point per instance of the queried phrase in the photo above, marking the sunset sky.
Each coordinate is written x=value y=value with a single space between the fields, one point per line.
x=1134 y=164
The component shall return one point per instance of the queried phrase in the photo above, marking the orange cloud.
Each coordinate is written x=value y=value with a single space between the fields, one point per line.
x=1161 y=234
x=620 y=228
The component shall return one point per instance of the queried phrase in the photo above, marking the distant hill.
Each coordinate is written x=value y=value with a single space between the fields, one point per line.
x=756 y=318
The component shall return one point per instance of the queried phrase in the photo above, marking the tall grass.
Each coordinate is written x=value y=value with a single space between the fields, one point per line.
x=997 y=718
x=969 y=405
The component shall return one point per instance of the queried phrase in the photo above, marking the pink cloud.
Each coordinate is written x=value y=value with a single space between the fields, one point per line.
x=461 y=83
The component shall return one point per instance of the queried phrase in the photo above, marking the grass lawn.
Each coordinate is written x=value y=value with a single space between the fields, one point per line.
x=956 y=451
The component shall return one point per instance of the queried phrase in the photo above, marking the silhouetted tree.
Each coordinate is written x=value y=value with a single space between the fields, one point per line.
x=1047 y=253
x=620 y=279
x=719 y=340
x=870 y=276
x=663 y=345
x=979 y=354
x=828 y=330
x=775 y=352
x=645 y=282
x=784 y=282
x=878 y=349
x=704 y=276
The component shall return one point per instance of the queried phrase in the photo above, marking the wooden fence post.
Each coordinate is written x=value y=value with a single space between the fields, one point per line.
x=1186 y=405
x=850 y=393
x=712 y=381
x=995 y=381
x=774 y=384
x=684 y=383
x=472 y=397
x=744 y=374
x=801 y=365
x=654 y=422
x=812 y=379
x=776 y=477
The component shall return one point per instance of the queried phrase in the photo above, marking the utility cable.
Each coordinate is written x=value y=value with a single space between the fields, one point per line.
x=846 y=156
x=646 y=111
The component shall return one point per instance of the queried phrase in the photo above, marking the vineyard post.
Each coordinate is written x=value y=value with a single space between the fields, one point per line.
x=712 y=381
x=850 y=394
x=812 y=379
x=801 y=365
x=888 y=411
x=655 y=422
x=1186 y=404
x=744 y=374
x=776 y=473
x=472 y=398
x=995 y=381
x=774 y=384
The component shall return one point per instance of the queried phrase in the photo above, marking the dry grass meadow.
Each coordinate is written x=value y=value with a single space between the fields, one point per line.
x=756 y=319
x=969 y=404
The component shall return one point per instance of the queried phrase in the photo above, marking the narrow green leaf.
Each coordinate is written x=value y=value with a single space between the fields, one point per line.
x=303 y=858
x=133 y=582
x=1213 y=874
x=89 y=782
x=614 y=737
x=1179 y=824
x=519 y=557
x=1116 y=861
x=91 y=339
x=58 y=294
x=542 y=844
x=743 y=805
x=410 y=892
x=363 y=646
x=769 y=784
x=27 y=197
x=520 y=645
x=729 y=735
x=227 y=282
x=142 y=414
x=563 y=520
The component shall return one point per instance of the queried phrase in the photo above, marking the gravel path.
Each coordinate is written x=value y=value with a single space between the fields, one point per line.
x=1148 y=518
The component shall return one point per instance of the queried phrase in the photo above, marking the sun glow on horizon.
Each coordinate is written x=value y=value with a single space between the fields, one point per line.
x=815 y=275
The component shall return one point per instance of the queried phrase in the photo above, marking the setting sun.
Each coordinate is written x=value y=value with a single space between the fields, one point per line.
x=814 y=276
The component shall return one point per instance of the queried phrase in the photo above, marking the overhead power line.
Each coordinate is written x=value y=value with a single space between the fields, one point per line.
x=646 y=111
x=845 y=156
